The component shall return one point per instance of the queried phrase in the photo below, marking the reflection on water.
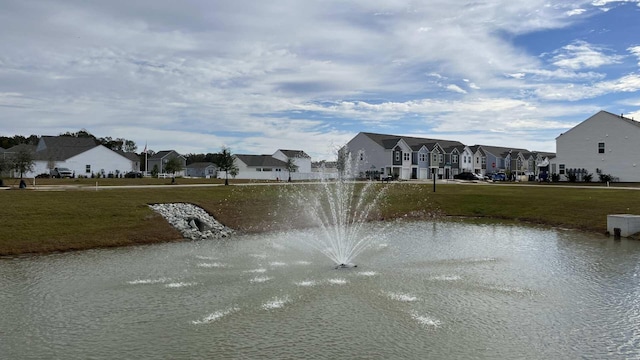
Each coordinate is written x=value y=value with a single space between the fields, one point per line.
x=425 y=290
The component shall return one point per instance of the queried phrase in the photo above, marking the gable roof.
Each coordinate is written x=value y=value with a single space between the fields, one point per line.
x=60 y=148
x=200 y=165
x=501 y=151
x=608 y=116
x=295 y=153
x=260 y=160
x=415 y=143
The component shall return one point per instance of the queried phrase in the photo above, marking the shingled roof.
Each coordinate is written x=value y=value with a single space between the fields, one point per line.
x=260 y=160
x=295 y=154
x=60 y=148
x=389 y=141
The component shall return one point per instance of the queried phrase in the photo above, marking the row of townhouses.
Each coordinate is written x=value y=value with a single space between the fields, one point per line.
x=605 y=143
x=405 y=157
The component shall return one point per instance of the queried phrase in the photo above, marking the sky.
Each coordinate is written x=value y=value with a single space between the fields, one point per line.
x=258 y=76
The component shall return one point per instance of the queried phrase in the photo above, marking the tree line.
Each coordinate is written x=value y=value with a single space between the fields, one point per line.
x=117 y=144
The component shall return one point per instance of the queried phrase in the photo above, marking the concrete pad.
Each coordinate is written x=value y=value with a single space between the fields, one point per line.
x=627 y=223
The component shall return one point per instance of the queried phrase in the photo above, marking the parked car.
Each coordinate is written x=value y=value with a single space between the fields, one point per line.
x=499 y=177
x=60 y=172
x=466 y=176
x=133 y=174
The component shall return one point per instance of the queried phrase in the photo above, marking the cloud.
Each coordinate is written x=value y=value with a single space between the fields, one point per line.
x=580 y=54
x=258 y=76
x=456 y=88
x=635 y=50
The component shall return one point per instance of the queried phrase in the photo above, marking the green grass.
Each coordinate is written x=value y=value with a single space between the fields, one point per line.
x=46 y=221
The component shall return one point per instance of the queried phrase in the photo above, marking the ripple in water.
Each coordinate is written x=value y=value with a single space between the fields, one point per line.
x=277 y=263
x=212 y=265
x=402 y=297
x=367 y=273
x=148 y=281
x=446 y=277
x=180 y=284
x=215 y=316
x=307 y=283
x=426 y=320
x=276 y=303
x=338 y=281
x=260 y=279
x=258 y=271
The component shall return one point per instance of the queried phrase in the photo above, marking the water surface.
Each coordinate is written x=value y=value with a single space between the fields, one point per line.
x=422 y=290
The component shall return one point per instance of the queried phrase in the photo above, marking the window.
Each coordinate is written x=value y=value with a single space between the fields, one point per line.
x=484 y=160
x=87 y=169
x=561 y=169
x=600 y=148
x=434 y=158
x=407 y=156
x=267 y=169
x=258 y=169
x=477 y=160
x=423 y=157
x=440 y=157
x=397 y=155
x=454 y=159
x=292 y=170
x=361 y=155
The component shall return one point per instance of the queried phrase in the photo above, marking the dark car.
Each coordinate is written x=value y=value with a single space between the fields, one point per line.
x=466 y=176
x=133 y=174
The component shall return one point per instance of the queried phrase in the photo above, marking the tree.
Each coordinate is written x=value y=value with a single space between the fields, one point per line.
x=130 y=146
x=23 y=161
x=342 y=161
x=226 y=162
x=6 y=163
x=291 y=167
x=173 y=165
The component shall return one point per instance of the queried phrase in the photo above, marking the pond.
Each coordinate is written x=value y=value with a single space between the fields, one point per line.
x=446 y=290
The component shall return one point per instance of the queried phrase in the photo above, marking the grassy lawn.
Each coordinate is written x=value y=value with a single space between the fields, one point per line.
x=45 y=221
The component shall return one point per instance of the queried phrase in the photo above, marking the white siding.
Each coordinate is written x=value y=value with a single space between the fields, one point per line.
x=372 y=154
x=578 y=147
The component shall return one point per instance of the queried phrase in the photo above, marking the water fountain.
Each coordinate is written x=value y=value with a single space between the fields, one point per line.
x=340 y=209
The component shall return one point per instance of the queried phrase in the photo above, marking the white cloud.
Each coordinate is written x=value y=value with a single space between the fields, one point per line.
x=580 y=55
x=456 y=88
x=635 y=50
x=196 y=75
x=575 y=12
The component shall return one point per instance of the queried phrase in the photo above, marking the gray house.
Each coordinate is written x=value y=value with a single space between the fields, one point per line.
x=161 y=158
x=404 y=157
x=202 y=170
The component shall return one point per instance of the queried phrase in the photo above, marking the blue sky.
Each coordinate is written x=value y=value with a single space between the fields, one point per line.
x=258 y=76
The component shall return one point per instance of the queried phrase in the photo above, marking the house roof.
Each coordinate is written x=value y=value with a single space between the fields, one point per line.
x=60 y=148
x=129 y=155
x=415 y=143
x=161 y=154
x=295 y=153
x=260 y=160
x=200 y=165
x=20 y=147
x=501 y=151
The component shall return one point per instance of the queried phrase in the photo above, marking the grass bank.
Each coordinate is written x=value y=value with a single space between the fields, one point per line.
x=47 y=221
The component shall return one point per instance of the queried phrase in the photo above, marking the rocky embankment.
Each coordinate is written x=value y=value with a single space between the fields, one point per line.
x=192 y=221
